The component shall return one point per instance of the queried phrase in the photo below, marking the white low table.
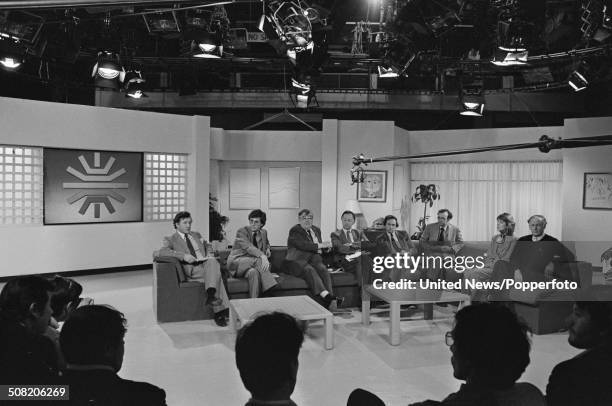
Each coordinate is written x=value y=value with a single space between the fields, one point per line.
x=301 y=307
x=396 y=298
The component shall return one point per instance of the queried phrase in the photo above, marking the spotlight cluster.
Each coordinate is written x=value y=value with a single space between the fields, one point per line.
x=298 y=30
x=110 y=74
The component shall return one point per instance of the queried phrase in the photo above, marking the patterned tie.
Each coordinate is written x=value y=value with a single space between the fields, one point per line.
x=190 y=246
x=255 y=239
x=309 y=235
x=348 y=236
x=441 y=234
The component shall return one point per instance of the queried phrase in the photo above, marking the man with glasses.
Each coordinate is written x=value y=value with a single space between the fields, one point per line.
x=442 y=239
x=304 y=260
x=249 y=256
x=489 y=349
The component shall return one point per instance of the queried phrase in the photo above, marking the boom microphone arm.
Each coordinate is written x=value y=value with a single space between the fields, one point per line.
x=545 y=145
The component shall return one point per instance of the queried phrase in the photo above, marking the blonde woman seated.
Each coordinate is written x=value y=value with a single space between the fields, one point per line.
x=501 y=247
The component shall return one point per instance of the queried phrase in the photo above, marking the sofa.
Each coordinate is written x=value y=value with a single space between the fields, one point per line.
x=176 y=299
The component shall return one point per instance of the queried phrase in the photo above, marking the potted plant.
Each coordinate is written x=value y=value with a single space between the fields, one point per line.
x=425 y=194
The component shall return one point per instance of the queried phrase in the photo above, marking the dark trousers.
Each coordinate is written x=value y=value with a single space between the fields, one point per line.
x=361 y=267
x=314 y=273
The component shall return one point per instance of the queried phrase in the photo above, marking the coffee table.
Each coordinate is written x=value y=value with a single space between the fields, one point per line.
x=301 y=307
x=396 y=298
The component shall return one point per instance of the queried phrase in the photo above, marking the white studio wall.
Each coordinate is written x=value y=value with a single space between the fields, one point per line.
x=42 y=249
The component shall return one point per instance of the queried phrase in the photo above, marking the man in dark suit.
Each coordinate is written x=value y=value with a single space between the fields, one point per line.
x=393 y=242
x=539 y=256
x=585 y=379
x=442 y=239
x=304 y=249
x=199 y=264
x=249 y=256
x=347 y=243
x=92 y=342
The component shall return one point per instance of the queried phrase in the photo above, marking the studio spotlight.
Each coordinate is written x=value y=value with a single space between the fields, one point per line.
x=291 y=22
x=108 y=72
x=10 y=62
x=472 y=98
x=304 y=92
x=390 y=72
x=134 y=85
x=579 y=79
x=11 y=55
x=209 y=46
x=510 y=58
x=472 y=108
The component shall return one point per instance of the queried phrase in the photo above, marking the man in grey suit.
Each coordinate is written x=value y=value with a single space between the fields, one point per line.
x=303 y=260
x=198 y=264
x=249 y=256
x=442 y=239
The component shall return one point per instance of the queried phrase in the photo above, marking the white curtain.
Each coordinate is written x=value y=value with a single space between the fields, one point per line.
x=477 y=192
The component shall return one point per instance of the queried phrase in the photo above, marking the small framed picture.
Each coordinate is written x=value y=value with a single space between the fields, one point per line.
x=373 y=188
x=597 y=191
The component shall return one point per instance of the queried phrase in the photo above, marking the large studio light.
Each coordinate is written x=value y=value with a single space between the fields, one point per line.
x=510 y=58
x=133 y=84
x=10 y=62
x=290 y=21
x=209 y=46
x=108 y=72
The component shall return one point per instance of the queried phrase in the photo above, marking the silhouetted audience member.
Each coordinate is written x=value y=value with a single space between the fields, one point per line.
x=267 y=352
x=490 y=351
x=360 y=397
x=585 y=379
x=26 y=355
x=92 y=340
x=65 y=297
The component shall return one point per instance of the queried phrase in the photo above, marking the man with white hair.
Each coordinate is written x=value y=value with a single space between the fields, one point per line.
x=539 y=256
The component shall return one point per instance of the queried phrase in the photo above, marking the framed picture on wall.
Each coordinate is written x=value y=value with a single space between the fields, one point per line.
x=597 y=193
x=373 y=188
x=82 y=186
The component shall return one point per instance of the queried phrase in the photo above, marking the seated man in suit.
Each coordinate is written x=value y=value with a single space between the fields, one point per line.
x=304 y=249
x=538 y=257
x=393 y=242
x=347 y=242
x=584 y=379
x=198 y=264
x=92 y=340
x=267 y=352
x=442 y=239
x=249 y=256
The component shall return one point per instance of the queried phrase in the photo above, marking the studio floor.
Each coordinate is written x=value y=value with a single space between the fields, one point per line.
x=194 y=361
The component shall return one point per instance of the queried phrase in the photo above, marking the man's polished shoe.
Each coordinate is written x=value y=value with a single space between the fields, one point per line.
x=331 y=299
x=220 y=319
